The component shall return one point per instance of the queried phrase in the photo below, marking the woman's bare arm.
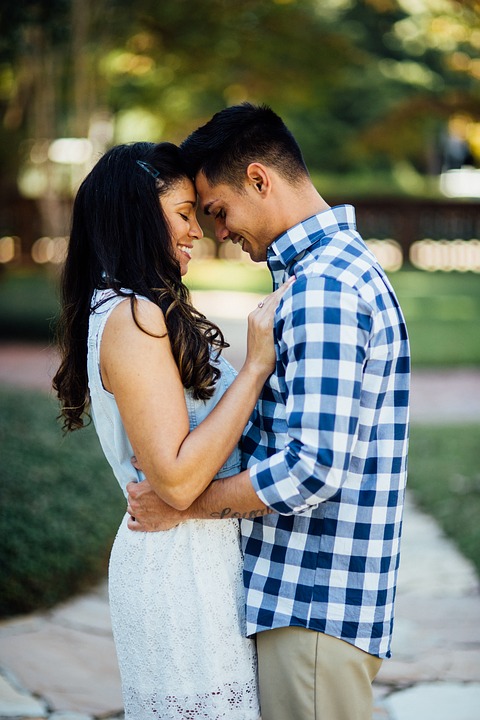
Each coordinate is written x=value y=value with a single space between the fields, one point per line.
x=142 y=374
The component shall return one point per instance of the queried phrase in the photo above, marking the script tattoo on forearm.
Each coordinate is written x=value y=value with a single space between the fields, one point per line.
x=249 y=515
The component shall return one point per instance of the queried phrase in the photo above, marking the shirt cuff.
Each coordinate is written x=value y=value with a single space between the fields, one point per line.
x=276 y=488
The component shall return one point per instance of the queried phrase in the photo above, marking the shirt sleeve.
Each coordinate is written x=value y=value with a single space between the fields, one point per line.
x=323 y=329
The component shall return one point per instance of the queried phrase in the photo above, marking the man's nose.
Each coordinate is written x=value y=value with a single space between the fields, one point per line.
x=222 y=233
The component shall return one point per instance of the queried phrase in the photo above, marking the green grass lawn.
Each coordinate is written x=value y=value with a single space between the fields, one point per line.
x=444 y=477
x=442 y=309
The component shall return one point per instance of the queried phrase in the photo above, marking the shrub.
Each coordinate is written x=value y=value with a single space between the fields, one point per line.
x=444 y=477
x=28 y=306
x=60 y=505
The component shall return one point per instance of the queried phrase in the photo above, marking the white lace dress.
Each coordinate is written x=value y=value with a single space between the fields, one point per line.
x=176 y=597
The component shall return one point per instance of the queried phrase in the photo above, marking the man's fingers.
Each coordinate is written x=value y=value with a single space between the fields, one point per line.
x=132 y=488
x=135 y=462
x=136 y=489
x=134 y=524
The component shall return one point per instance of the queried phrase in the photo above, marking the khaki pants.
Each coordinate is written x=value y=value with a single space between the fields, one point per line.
x=307 y=675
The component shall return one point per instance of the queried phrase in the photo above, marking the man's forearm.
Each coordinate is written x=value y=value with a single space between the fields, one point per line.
x=231 y=497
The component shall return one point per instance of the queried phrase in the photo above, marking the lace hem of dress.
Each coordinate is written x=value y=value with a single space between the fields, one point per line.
x=233 y=701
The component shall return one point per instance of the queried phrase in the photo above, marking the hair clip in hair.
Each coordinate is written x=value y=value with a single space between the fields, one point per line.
x=107 y=281
x=148 y=168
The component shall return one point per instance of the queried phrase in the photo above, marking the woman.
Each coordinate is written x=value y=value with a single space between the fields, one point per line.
x=148 y=366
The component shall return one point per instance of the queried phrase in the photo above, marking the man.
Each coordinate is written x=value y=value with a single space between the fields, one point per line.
x=322 y=496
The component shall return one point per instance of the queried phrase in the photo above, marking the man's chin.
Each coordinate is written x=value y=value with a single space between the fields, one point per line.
x=255 y=257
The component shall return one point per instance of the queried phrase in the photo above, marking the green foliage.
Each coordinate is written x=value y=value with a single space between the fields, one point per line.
x=444 y=476
x=362 y=82
x=60 y=505
x=28 y=306
x=347 y=67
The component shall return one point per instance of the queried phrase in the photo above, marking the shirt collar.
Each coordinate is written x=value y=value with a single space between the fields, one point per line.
x=288 y=246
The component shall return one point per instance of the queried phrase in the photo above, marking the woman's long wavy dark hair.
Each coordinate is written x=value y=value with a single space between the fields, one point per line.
x=120 y=238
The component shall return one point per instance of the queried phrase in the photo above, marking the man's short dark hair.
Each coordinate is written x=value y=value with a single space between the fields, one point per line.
x=237 y=136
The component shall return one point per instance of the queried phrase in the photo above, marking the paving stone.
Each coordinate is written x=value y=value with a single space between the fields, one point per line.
x=433 y=622
x=436 y=398
x=465 y=666
x=402 y=674
x=430 y=661
x=22 y=625
x=380 y=691
x=69 y=716
x=437 y=620
x=15 y=702
x=73 y=671
x=88 y=612
x=381 y=713
x=436 y=701
x=28 y=365
x=430 y=564
x=440 y=635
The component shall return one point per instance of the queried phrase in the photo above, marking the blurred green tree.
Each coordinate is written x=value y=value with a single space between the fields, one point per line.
x=358 y=81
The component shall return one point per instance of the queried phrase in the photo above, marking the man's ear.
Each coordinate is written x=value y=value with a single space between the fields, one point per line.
x=259 y=178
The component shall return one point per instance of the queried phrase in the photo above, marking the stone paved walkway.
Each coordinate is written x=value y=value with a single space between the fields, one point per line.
x=61 y=664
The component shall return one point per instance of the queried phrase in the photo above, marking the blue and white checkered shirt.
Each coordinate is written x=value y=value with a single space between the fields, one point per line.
x=327 y=443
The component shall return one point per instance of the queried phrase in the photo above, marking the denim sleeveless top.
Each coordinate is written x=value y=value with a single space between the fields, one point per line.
x=105 y=414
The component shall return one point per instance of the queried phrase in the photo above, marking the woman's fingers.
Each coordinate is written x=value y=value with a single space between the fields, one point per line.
x=274 y=298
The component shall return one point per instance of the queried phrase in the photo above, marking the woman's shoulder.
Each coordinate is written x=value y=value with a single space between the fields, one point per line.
x=135 y=310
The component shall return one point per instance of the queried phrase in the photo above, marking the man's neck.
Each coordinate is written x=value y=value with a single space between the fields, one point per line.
x=300 y=203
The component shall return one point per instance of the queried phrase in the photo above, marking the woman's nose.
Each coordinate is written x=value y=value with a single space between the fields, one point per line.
x=196 y=230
